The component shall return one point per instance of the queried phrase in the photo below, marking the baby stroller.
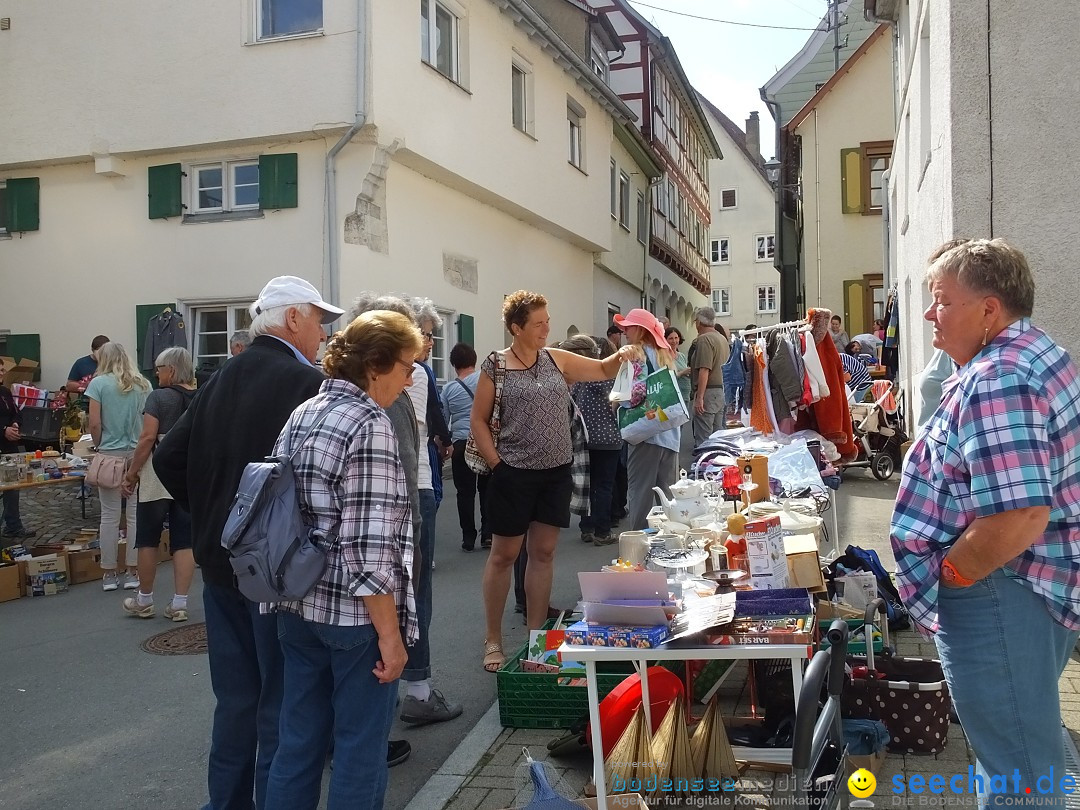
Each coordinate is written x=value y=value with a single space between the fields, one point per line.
x=879 y=430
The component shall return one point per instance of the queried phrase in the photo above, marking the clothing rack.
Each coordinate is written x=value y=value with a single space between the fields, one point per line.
x=784 y=325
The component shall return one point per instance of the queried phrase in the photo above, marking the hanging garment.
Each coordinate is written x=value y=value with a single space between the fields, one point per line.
x=163 y=331
x=734 y=373
x=759 y=410
x=832 y=413
x=819 y=386
x=786 y=384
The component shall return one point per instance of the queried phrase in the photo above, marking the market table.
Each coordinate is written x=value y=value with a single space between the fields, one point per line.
x=676 y=651
x=52 y=482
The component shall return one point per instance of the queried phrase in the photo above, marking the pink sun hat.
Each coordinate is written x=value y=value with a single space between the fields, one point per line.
x=647 y=321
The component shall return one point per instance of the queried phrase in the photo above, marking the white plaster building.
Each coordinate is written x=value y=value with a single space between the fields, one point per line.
x=457 y=149
x=842 y=141
x=745 y=284
x=986 y=145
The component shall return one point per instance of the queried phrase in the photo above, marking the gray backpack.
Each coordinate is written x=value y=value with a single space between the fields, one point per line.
x=272 y=548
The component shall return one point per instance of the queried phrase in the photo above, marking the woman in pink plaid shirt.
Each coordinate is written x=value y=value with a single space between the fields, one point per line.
x=986 y=529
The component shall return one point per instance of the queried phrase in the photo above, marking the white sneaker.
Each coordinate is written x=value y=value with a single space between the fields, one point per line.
x=131 y=582
x=175 y=614
x=110 y=582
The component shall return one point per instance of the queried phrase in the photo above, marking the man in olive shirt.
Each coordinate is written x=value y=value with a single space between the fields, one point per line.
x=708 y=353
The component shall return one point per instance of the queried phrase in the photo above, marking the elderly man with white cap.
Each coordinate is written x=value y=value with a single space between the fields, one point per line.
x=235 y=419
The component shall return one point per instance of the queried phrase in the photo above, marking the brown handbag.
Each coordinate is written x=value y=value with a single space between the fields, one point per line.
x=106 y=472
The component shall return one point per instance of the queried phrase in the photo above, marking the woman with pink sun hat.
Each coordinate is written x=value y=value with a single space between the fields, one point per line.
x=655 y=461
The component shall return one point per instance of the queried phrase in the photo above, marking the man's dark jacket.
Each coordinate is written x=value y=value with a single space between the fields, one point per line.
x=234 y=419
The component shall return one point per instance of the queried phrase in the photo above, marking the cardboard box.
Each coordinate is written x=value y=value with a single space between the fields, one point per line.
x=84 y=565
x=872 y=762
x=22 y=371
x=758 y=468
x=10 y=582
x=765 y=553
x=45 y=576
x=603 y=635
x=766 y=630
x=804 y=567
x=83 y=448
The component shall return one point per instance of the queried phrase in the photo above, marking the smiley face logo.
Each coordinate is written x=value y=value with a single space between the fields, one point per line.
x=862 y=783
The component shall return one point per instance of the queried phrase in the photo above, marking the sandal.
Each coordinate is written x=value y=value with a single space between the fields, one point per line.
x=493 y=656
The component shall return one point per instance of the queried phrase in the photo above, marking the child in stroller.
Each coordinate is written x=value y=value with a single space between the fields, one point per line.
x=879 y=431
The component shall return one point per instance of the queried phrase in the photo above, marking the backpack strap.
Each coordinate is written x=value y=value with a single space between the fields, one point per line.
x=469 y=391
x=320 y=417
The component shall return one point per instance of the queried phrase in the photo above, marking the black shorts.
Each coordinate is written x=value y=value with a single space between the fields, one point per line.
x=516 y=498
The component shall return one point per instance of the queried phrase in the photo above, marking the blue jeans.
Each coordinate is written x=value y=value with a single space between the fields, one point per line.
x=330 y=690
x=1002 y=654
x=246 y=673
x=418 y=667
x=602 y=467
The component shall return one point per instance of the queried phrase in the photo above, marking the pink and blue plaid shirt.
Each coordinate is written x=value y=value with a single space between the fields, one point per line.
x=1006 y=436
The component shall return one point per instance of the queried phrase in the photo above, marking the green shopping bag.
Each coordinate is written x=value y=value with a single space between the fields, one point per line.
x=662 y=409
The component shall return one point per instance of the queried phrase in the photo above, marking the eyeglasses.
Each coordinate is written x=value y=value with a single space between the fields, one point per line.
x=407 y=366
x=160 y=368
x=428 y=335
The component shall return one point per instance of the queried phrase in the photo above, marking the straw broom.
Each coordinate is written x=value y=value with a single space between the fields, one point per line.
x=710 y=749
x=629 y=766
x=671 y=753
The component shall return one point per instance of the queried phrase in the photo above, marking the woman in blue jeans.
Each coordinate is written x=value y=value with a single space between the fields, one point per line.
x=986 y=529
x=344 y=644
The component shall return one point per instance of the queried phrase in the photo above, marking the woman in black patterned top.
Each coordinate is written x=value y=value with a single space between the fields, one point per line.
x=529 y=491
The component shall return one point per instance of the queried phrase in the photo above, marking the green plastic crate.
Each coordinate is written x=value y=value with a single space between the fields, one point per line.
x=537 y=700
x=857 y=647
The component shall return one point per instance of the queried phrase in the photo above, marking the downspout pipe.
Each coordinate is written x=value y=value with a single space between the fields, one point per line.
x=332 y=265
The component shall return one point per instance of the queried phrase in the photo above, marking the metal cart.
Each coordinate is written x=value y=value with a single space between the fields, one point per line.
x=818 y=753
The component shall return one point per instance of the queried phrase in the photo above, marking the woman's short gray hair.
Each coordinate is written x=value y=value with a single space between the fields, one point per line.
x=424 y=310
x=179 y=360
x=989 y=267
x=369 y=301
x=273 y=320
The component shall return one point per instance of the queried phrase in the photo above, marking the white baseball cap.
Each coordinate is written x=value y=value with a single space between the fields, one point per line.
x=289 y=291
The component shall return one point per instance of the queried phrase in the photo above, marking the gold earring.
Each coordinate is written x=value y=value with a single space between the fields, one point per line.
x=986 y=334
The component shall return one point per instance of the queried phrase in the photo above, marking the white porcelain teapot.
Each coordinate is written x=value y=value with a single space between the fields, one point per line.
x=687 y=500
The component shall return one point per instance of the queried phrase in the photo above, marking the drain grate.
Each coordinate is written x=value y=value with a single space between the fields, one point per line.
x=1072 y=768
x=188 y=640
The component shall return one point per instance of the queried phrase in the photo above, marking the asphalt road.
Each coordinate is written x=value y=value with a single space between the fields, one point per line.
x=90 y=720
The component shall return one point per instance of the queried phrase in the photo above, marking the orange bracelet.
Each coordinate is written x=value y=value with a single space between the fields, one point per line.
x=953 y=577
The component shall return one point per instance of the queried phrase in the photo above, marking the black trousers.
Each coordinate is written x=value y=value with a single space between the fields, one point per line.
x=467 y=483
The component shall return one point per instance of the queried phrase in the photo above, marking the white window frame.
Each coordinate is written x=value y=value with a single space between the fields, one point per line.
x=766 y=299
x=439 y=359
x=723 y=191
x=614 y=190
x=720 y=250
x=260 y=37
x=642 y=219
x=237 y=317
x=520 y=67
x=764 y=247
x=598 y=61
x=428 y=31
x=624 y=201
x=575 y=124
x=721 y=301
x=228 y=186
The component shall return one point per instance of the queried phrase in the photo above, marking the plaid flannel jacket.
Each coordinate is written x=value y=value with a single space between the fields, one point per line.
x=349 y=475
x=1004 y=437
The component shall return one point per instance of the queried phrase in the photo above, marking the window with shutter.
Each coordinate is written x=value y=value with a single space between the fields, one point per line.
x=164 y=191
x=729 y=198
x=851 y=199
x=278 y=179
x=465 y=331
x=21 y=205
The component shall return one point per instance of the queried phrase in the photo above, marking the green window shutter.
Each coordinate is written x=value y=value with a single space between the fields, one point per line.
x=277 y=181
x=465 y=329
x=25 y=347
x=851 y=181
x=23 y=204
x=164 y=186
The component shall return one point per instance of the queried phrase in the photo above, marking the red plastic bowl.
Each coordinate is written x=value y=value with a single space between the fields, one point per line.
x=618 y=708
